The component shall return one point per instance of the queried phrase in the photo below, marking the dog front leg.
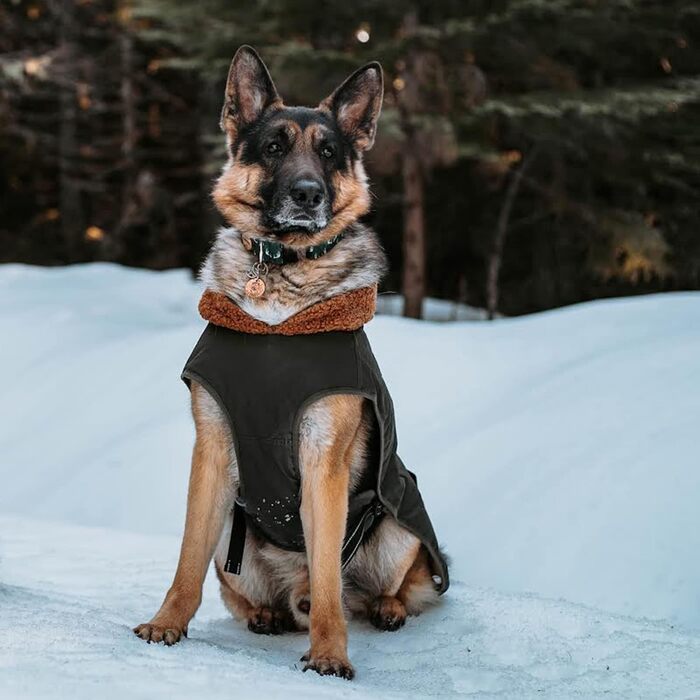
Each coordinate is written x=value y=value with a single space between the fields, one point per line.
x=324 y=509
x=208 y=501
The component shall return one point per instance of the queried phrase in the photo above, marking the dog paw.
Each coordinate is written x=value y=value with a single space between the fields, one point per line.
x=387 y=614
x=327 y=665
x=168 y=634
x=264 y=620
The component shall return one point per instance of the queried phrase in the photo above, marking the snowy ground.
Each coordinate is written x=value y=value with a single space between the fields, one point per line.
x=391 y=304
x=557 y=454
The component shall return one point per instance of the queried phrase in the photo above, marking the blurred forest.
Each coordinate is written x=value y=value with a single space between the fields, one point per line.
x=531 y=153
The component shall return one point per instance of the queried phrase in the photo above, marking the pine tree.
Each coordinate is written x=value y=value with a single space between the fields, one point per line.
x=608 y=94
x=101 y=154
x=308 y=58
x=531 y=153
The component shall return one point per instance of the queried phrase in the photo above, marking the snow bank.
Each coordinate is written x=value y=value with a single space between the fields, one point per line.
x=70 y=594
x=557 y=454
x=391 y=304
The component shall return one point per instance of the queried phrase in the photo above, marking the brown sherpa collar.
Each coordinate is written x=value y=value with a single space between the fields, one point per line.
x=345 y=312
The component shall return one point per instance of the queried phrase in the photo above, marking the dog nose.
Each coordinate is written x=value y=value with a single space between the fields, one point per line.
x=307 y=193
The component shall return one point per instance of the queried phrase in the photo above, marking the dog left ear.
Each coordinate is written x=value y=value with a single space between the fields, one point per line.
x=356 y=105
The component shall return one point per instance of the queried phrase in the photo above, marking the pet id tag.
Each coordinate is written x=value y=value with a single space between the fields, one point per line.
x=255 y=286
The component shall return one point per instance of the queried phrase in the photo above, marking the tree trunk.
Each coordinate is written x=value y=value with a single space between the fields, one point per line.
x=496 y=256
x=117 y=243
x=126 y=50
x=70 y=204
x=413 y=235
x=412 y=175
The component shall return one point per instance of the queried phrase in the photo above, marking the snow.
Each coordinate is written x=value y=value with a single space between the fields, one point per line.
x=391 y=304
x=557 y=454
x=70 y=592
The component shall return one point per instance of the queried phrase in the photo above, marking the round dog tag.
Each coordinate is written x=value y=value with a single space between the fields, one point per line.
x=255 y=288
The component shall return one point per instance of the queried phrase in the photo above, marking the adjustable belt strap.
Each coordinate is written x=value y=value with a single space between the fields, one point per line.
x=362 y=529
x=234 y=558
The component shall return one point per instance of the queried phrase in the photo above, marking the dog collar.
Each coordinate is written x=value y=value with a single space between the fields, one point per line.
x=276 y=253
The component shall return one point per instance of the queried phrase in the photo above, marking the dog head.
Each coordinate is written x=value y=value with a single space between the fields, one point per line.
x=295 y=172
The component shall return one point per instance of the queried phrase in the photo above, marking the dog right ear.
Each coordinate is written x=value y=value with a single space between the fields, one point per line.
x=249 y=91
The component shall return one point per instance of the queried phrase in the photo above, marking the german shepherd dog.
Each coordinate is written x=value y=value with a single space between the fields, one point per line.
x=295 y=175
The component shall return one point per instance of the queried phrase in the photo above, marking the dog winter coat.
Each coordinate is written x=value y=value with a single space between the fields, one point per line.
x=263 y=379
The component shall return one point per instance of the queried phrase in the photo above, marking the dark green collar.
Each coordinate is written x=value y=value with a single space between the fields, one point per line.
x=276 y=253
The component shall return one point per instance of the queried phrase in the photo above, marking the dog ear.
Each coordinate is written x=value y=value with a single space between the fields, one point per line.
x=249 y=91
x=356 y=105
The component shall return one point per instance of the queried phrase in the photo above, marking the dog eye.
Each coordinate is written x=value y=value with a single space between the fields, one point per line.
x=327 y=152
x=274 y=148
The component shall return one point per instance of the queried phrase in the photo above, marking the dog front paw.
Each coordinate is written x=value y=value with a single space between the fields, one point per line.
x=329 y=665
x=168 y=634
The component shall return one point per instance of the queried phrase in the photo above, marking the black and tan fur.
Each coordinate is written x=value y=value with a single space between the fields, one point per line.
x=389 y=578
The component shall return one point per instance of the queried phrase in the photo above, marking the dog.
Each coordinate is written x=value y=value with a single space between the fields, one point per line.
x=295 y=179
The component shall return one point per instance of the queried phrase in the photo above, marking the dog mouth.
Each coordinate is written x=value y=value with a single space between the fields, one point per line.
x=298 y=223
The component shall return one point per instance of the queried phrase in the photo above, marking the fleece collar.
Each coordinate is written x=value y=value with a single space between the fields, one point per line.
x=344 y=312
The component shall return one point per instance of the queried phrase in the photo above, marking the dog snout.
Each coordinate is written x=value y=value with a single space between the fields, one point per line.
x=308 y=194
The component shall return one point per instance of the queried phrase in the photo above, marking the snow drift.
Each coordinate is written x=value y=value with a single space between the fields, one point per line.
x=557 y=455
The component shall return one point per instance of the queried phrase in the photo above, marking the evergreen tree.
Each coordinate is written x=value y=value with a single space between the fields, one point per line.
x=585 y=146
x=102 y=159
x=531 y=153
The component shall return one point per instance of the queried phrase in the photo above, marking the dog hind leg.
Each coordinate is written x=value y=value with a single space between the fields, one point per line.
x=261 y=619
x=390 y=577
x=260 y=594
x=417 y=591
